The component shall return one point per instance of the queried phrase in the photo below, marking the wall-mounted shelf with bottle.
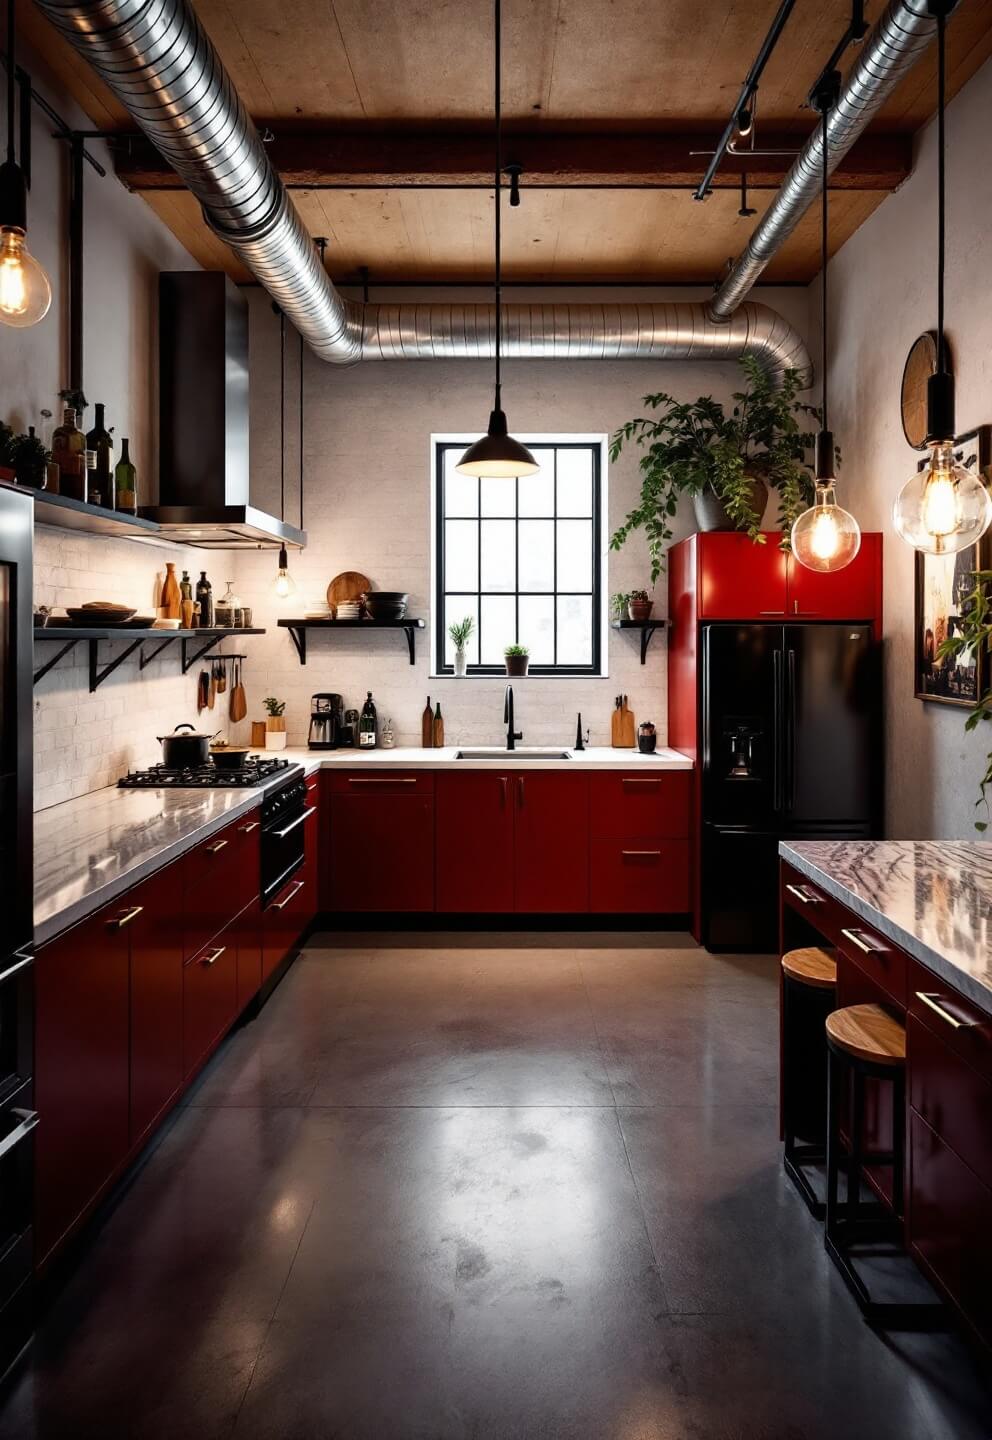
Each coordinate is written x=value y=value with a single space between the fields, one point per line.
x=67 y=637
x=647 y=629
x=298 y=630
x=73 y=514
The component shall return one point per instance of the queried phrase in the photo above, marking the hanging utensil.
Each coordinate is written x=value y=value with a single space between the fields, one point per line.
x=221 y=674
x=239 y=702
x=202 y=691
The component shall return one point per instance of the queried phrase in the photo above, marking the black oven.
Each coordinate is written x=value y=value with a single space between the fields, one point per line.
x=284 y=813
x=17 y=1115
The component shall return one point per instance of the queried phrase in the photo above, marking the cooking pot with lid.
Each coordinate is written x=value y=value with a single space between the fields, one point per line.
x=185 y=748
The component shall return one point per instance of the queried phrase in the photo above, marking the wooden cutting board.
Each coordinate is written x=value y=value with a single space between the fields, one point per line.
x=349 y=585
x=622 y=727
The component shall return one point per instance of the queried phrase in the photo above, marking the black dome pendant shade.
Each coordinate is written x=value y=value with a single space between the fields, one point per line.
x=497 y=454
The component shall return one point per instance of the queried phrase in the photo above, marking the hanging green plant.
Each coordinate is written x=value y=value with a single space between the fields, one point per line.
x=695 y=448
x=974 y=632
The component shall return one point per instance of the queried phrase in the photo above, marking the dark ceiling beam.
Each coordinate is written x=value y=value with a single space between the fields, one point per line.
x=376 y=158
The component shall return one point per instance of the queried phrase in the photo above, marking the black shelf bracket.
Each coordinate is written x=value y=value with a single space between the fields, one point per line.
x=43 y=670
x=299 y=637
x=647 y=630
x=646 y=637
x=411 y=645
x=189 y=660
x=145 y=658
x=97 y=676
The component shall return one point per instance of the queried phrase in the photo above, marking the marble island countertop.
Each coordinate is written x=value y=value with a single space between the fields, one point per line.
x=409 y=757
x=89 y=850
x=931 y=897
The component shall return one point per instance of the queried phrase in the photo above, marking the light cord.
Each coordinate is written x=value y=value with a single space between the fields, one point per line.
x=282 y=415
x=941 y=186
x=497 y=79
x=823 y=280
x=11 y=79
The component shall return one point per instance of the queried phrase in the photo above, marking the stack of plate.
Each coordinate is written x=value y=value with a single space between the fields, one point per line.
x=348 y=610
x=317 y=610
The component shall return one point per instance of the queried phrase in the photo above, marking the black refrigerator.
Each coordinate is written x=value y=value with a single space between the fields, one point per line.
x=791 y=747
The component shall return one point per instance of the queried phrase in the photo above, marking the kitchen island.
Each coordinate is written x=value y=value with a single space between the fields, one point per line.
x=911 y=922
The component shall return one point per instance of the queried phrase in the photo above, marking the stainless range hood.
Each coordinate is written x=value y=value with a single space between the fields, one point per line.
x=203 y=420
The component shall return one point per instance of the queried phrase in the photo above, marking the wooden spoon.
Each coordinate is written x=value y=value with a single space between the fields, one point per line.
x=239 y=702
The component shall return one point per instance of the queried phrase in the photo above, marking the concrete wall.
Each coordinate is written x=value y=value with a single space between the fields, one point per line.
x=882 y=295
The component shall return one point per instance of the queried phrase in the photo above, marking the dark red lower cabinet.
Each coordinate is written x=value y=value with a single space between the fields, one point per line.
x=82 y=1034
x=210 y=996
x=645 y=877
x=249 y=925
x=284 y=921
x=474 y=843
x=382 y=849
x=551 y=842
x=156 y=939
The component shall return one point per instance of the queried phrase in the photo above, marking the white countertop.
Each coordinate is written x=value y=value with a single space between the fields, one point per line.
x=90 y=850
x=931 y=897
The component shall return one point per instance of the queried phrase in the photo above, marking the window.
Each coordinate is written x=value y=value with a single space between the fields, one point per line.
x=523 y=557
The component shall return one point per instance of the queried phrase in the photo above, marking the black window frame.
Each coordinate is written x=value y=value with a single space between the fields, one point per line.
x=594 y=670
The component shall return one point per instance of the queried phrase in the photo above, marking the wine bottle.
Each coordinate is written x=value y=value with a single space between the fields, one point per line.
x=125 y=482
x=99 y=439
x=367 y=725
x=68 y=444
x=171 y=596
x=205 y=597
x=427 y=726
x=438 y=729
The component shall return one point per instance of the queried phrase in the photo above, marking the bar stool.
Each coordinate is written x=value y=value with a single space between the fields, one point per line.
x=866 y=1042
x=809 y=994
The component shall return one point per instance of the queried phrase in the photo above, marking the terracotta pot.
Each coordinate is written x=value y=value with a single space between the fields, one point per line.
x=516 y=664
x=640 y=609
x=709 y=508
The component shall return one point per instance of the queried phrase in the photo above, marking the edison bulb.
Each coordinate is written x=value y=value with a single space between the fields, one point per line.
x=825 y=537
x=25 y=293
x=283 y=585
x=943 y=508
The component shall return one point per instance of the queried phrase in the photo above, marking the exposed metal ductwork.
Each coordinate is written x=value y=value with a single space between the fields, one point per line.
x=890 y=51
x=157 y=59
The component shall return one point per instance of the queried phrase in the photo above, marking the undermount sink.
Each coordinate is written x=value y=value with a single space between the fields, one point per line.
x=521 y=752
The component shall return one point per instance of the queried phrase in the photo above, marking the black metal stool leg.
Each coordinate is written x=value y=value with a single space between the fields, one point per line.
x=802 y=1021
x=833 y=1139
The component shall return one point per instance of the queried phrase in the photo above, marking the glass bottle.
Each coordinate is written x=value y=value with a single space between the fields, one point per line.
x=186 y=587
x=91 y=489
x=227 y=606
x=367 y=724
x=126 y=482
x=68 y=444
x=205 y=599
x=99 y=439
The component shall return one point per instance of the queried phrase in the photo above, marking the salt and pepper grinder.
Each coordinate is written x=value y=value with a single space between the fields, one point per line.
x=579 y=742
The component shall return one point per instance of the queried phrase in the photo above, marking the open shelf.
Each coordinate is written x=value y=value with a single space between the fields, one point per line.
x=94 y=519
x=646 y=627
x=67 y=637
x=298 y=630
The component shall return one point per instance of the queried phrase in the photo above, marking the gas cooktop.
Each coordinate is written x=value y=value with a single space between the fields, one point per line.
x=205 y=777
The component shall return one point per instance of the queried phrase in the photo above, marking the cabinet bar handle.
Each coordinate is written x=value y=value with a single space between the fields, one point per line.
x=631 y=780
x=312 y=788
x=867 y=949
x=771 y=612
x=125 y=918
x=520 y=791
x=640 y=852
x=21 y=963
x=932 y=1003
x=803 y=893
x=503 y=781
x=281 y=904
x=383 y=780
x=28 y=1119
x=247 y=829
x=281 y=834
x=213 y=956
x=215 y=849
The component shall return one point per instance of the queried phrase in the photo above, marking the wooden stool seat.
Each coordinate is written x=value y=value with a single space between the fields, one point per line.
x=811 y=965
x=868 y=1033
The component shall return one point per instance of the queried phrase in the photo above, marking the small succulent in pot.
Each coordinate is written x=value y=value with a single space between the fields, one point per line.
x=517 y=659
x=461 y=633
x=275 y=724
x=639 y=605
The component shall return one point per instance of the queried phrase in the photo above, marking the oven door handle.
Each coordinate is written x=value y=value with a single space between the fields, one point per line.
x=21 y=963
x=28 y=1119
x=281 y=834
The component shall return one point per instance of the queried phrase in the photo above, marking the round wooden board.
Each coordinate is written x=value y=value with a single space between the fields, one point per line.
x=921 y=363
x=349 y=585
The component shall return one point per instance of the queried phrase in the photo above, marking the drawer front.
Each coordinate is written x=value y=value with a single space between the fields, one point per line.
x=881 y=961
x=809 y=901
x=959 y=1023
x=210 y=997
x=284 y=921
x=220 y=877
x=382 y=852
x=652 y=807
x=949 y=1211
x=954 y=1099
x=249 y=925
x=637 y=877
x=404 y=783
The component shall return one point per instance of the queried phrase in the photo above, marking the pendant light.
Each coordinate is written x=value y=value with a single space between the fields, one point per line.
x=944 y=507
x=497 y=453
x=25 y=290
x=283 y=585
x=825 y=537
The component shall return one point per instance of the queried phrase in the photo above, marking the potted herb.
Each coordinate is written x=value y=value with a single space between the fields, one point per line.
x=461 y=633
x=275 y=723
x=727 y=463
x=517 y=659
x=30 y=460
x=639 y=605
x=973 y=631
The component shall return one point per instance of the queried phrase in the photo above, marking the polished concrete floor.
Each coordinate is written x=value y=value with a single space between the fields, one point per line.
x=492 y=1188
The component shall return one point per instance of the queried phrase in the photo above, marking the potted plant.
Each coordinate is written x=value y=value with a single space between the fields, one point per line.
x=517 y=658
x=30 y=460
x=727 y=463
x=7 y=452
x=275 y=723
x=639 y=605
x=973 y=633
x=461 y=633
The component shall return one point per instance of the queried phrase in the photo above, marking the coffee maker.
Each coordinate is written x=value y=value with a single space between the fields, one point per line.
x=325 y=722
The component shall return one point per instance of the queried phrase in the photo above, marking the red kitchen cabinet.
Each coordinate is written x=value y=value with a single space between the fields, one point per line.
x=551 y=842
x=639 y=877
x=81 y=1070
x=284 y=921
x=249 y=924
x=156 y=1049
x=220 y=877
x=210 y=996
x=382 y=855
x=739 y=580
x=474 y=844
x=854 y=593
x=628 y=806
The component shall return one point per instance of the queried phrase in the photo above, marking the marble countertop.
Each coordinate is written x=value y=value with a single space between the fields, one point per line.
x=91 y=849
x=931 y=897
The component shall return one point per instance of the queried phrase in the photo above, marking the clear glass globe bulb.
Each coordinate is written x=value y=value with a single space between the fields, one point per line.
x=944 y=507
x=25 y=292
x=283 y=585
x=825 y=537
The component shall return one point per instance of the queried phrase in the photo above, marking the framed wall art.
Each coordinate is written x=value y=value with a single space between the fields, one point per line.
x=943 y=584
